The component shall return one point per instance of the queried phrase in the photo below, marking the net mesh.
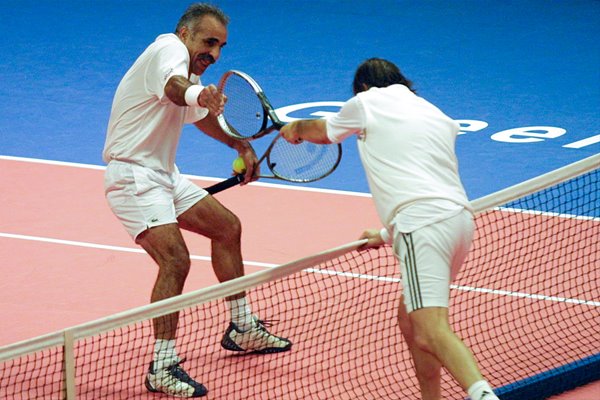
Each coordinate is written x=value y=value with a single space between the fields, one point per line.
x=526 y=302
x=33 y=376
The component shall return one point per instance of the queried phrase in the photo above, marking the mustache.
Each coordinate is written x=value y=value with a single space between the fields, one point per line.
x=207 y=57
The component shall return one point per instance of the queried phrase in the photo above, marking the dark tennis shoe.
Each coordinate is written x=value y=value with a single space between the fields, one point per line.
x=174 y=381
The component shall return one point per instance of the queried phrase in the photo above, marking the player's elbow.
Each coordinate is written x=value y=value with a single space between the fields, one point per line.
x=324 y=139
x=175 y=90
x=320 y=137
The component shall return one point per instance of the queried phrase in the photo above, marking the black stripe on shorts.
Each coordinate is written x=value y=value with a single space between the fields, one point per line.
x=411 y=269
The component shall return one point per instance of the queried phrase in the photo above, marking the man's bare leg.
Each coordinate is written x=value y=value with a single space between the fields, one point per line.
x=427 y=366
x=432 y=334
x=167 y=248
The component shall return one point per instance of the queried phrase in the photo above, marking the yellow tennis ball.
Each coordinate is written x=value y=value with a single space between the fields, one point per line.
x=238 y=165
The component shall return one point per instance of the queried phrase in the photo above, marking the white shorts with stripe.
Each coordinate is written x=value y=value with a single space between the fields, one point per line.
x=142 y=198
x=431 y=257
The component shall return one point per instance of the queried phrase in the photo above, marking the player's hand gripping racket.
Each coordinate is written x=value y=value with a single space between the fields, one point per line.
x=247 y=110
x=246 y=116
x=302 y=163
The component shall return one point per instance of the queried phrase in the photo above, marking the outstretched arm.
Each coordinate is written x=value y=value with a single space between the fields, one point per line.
x=374 y=239
x=184 y=93
x=311 y=130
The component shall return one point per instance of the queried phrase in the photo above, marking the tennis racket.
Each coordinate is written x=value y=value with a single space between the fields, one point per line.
x=246 y=116
x=247 y=112
x=300 y=163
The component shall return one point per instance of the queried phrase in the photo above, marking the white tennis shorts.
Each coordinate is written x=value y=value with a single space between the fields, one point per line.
x=431 y=257
x=142 y=198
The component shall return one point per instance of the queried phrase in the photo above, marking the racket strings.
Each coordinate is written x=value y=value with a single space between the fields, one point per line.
x=304 y=162
x=243 y=110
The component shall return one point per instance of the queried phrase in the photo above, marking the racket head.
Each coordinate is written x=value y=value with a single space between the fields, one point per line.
x=244 y=115
x=303 y=162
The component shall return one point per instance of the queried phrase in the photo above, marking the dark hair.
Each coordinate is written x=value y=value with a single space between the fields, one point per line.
x=197 y=10
x=377 y=72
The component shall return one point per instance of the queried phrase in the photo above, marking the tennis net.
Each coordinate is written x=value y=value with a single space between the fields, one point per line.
x=527 y=303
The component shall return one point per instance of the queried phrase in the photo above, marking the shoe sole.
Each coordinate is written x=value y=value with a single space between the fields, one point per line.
x=153 y=390
x=270 y=350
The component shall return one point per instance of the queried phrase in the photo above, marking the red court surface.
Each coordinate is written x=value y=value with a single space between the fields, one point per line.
x=67 y=260
x=55 y=226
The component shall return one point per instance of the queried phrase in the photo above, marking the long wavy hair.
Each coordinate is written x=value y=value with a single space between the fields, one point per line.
x=377 y=72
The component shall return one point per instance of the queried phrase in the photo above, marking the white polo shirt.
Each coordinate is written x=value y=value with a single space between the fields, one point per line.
x=145 y=126
x=406 y=145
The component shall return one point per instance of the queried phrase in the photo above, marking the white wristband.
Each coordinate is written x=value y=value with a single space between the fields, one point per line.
x=385 y=235
x=191 y=95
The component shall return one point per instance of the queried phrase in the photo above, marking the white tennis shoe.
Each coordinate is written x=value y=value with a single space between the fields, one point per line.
x=256 y=339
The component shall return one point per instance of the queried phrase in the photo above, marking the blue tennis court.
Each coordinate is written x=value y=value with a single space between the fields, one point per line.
x=523 y=76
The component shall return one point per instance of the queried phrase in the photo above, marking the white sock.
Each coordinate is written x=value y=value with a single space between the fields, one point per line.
x=481 y=390
x=241 y=315
x=165 y=354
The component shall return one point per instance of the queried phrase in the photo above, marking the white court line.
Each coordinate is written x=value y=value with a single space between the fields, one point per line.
x=205 y=178
x=467 y=288
x=268 y=265
x=312 y=270
x=548 y=214
x=284 y=187
x=112 y=248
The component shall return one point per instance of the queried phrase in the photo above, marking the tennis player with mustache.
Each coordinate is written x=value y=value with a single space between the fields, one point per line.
x=159 y=94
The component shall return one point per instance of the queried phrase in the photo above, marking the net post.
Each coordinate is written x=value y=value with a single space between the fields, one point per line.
x=69 y=365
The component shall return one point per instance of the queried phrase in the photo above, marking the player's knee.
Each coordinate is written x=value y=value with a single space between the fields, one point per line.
x=423 y=342
x=177 y=266
x=427 y=336
x=430 y=338
x=233 y=231
x=236 y=225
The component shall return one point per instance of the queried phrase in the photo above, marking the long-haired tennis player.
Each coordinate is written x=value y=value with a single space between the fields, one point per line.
x=406 y=145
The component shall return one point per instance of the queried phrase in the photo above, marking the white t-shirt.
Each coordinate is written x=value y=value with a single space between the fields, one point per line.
x=406 y=145
x=145 y=126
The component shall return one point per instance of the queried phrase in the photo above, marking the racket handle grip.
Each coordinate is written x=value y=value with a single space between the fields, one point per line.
x=226 y=184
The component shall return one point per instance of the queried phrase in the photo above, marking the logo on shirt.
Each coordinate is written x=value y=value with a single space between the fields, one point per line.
x=167 y=74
